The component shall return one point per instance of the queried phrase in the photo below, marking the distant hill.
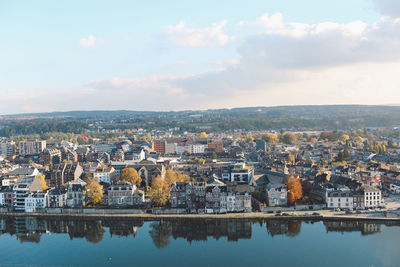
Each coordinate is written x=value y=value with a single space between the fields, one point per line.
x=294 y=118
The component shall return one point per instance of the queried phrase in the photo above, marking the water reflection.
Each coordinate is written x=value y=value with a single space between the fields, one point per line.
x=30 y=229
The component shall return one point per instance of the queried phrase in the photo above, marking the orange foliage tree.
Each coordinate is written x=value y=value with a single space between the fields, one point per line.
x=295 y=190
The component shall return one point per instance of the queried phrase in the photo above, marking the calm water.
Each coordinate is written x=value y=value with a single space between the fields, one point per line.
x=49 y=242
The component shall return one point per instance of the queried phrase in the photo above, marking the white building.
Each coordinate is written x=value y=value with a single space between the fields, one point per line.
x=32 y=147
x=276 y=195
x=395 y=187
x=242 y=174
x=104 y=175
x=7 y=147
x=342 y=199
x=372 y=197
x=36 y=201
x=198 y=148
x=170 y=148
x=22 y=189
x=104 y=147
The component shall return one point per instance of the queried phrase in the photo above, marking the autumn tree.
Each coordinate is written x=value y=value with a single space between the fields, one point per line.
x=291 y=159
x=295 y=191
x=160 y=188
x=270 y=138
x=330 y=136
x=203 y=135
x=344 y=137
x=288 y=138
x=160 y=192
x=172 y=176
x=131 y=175
x=42 y=181
x=94 y=192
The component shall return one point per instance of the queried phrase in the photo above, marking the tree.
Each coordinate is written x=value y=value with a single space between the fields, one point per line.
x=249 y=138
x=160 y=188
x=291 y=159
x=203 y=135
x=214 y=155
x=330 y=136
x=42 y=181
x=94 y=192
x=172 y=176
x=288 y=138
x=160 y=192
x=295 y=191
x=130 y=175
x=270 y=138
x=344 y=137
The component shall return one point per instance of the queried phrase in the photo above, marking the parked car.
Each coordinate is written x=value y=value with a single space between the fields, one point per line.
x=316 y=214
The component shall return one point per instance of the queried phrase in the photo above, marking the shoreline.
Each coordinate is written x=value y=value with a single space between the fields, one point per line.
x=246 y=216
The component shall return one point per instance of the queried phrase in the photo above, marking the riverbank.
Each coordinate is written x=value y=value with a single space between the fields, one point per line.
x=323 y=215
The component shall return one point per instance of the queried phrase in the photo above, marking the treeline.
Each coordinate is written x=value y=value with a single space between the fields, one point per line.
x=293 y=118
x=31 y=127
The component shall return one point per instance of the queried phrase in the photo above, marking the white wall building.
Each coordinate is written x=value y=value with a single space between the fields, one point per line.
x=32 y=147
x=342 y=199
x=104 y=175
x=372 y=197
x=35 y=201
x=198 y=148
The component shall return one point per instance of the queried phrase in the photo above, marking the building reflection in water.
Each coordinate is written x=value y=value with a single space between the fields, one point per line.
x=30 y=229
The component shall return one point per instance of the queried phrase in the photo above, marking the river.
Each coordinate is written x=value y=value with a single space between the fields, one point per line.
x=30 y=241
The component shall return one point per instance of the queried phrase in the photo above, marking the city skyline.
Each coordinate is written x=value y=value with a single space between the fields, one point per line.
x=130 y=55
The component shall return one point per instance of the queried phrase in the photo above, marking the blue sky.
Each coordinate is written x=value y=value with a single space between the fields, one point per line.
x=173 y=55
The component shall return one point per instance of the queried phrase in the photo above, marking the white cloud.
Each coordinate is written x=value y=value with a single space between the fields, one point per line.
x=285 y=63
x=181 y=62
x=214 y=35
x=90 y=41
x=229 y=62
x=288 y=63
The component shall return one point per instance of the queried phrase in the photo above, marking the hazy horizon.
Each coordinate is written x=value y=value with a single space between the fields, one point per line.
x=175 y=55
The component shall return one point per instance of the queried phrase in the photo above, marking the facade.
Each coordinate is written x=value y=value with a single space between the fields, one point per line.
x=239 y=173
x=104 y=148
x=372 y=197
x=50 y=156
x=31 y=147
x=198 y=148
x=242 y=174
x=7 y=148
x=104 y=175
x=121 y=194
x=394 y=187
x=64 y=173
x=75 y=198
x=56 y=198
x=276 y=195
x=159 y=146
x=339 y=199
x=22 y=190
x=6 y=196
x=36 y=201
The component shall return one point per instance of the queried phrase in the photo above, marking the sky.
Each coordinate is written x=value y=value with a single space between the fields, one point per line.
x=179 y=55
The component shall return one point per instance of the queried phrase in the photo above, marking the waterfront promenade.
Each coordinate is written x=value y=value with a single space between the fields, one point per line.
x=299 y=215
